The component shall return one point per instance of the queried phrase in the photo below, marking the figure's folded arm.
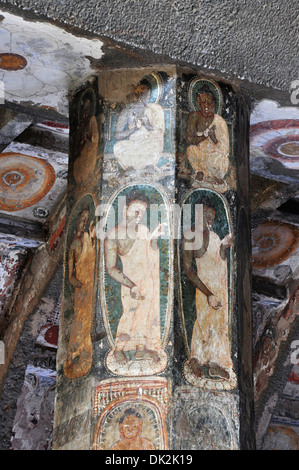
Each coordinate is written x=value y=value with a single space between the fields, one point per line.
x=110 y=247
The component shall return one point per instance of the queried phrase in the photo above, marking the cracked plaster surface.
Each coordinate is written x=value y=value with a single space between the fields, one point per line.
x=56 y=62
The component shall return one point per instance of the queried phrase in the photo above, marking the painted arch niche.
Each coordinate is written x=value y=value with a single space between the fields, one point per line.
x=131 y=415
x=136 y=280
x=205 y=290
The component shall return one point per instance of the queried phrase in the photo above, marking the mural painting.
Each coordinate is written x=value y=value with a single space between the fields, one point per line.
x=273 y=242
x=139 y=129
x=283 y=429
x=138 y=115
x=24 y=180
x=204 y=151
x=131 y=415
x=204 y=420
x=276 y=141
x=79 y=288
x=48 y=334
x=33 y=421
x=12 y=260
x=205 y=293
x=12 y=62
x=86 y=140
x=134 y=342
x=267 y=348
x=137 y=280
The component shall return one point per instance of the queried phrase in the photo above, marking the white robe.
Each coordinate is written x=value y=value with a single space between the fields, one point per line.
x=210 y=339
x=140 y=321
x=209 y=158
x=143 y=147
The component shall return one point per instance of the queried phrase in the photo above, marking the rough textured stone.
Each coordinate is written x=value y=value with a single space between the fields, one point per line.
x=253 y=41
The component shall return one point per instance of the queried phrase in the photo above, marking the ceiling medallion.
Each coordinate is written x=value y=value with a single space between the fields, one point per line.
x=24 y=181
x=11 y=62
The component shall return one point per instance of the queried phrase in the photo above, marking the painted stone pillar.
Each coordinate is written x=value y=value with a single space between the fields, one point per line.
x=213 y=402
x=155 y=336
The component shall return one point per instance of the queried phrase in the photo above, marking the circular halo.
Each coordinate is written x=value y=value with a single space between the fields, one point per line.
x=195 y=87
x=156 y=83
x=12 y=62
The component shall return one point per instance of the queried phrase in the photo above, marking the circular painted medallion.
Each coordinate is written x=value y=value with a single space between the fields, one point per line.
x=24 y=181
x=273 y=242
x=277 y=139
x=12 y=62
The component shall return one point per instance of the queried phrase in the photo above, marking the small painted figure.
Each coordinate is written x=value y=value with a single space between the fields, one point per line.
x=86 y=144
x=81 y=265
x=139 y=130
x=130 y=430
x=139 y=326
x=210 y=345
x=208 y=139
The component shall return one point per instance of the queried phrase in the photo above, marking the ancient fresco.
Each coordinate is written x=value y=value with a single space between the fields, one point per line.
x=131 y=415
x=277 y=139
x=33 y=422
x=79 y=288
x=48 y=334
x=139 y=129
x=136 y=280
x=24 y=180
x=32 y=180
x=203 y=420
x=204 y=151
x=205 y=256
x=283 y=429
x=12 y=62
x=276 y=329
x=138 y=123
x=274 y=141
x=40 y=63
x=273 y=242
x=146 y=339
x=12 y=261
x=85 y=147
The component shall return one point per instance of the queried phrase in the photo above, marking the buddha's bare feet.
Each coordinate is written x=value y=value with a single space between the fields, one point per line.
x=143 y=353
x=120 y=357
x=217 y=371
x=195 y=367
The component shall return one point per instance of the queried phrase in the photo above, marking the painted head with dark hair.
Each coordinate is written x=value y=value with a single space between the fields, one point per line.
x=206 y=102
x=130 y=412
x=130 y=424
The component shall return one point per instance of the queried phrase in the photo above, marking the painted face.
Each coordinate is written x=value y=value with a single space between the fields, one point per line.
x=82 y=222
x=209 y=216
x=135 y=211
x=131 y=427
x=142 y=93
x=86 y=112
x=206 y=104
